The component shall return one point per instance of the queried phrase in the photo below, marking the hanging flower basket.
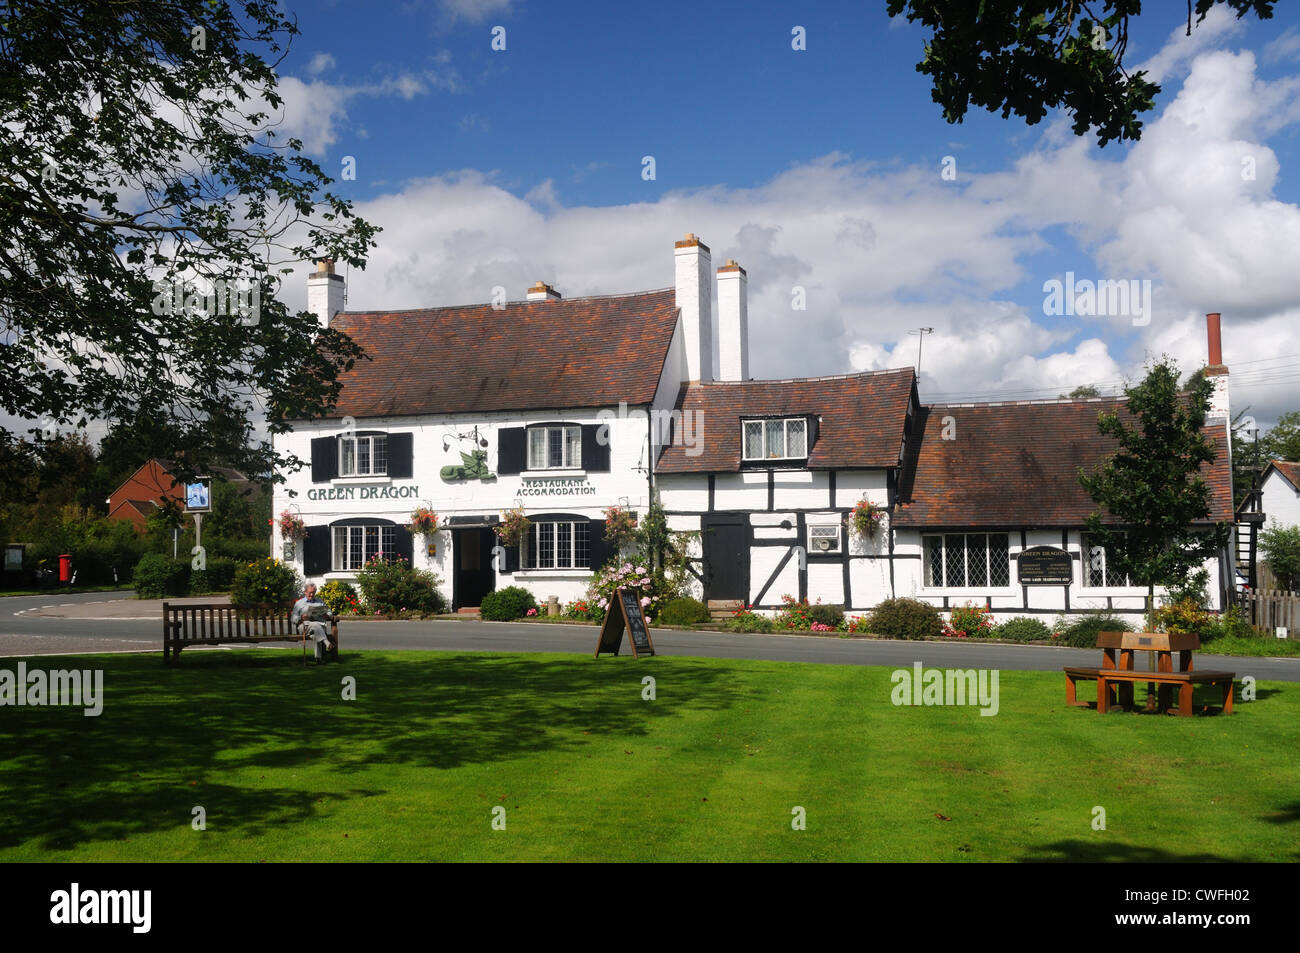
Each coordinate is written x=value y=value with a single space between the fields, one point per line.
x=514 y=527
x=864 y=520
x=291 y=526
x=423 y=520
x=620 y=525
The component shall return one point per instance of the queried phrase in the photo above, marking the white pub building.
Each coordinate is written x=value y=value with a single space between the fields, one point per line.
x=566 y=407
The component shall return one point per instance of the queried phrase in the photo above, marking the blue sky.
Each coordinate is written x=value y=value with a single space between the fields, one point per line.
x=820 y=168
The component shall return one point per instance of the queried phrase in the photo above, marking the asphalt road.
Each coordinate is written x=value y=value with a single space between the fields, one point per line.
x=22 y=634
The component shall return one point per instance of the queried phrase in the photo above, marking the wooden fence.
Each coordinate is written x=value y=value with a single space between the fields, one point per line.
x=1269 y=608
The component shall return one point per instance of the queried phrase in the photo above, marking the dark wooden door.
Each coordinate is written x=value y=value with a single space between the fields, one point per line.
x=473 y=560
x=726 y=558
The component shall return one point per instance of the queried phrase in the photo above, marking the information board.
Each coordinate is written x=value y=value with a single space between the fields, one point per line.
x=624 y=613
x=1044 y=566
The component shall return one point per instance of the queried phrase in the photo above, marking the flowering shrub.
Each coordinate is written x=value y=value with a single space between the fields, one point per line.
x=588 y=610
x=340 y=596
x=855 y=625
x=1183 y=618
x=423 y=520
x=291 y=526
x=863 y=520
x=265 y=581
x=969 y=621
x=620 y=526
x=795 y=615
x=514 y=527
x=747 y=620
x=821 y=627
x=531 y=612
x=653 y=589
x=389 y=588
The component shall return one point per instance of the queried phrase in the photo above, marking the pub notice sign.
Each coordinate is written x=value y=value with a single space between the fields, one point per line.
x=1044 y=566
x=624 y=613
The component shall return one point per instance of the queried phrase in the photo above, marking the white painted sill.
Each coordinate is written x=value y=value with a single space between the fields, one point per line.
x=552 y=474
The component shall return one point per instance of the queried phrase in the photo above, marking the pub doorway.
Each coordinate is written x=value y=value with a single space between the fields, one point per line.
x=474 y=577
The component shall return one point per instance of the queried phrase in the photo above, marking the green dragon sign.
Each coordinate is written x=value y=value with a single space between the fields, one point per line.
x=473 y=467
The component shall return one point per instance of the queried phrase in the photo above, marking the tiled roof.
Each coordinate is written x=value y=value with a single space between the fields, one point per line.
x=862 y=418
x=583 y=352
x=1289 y=470
x=1017 y=464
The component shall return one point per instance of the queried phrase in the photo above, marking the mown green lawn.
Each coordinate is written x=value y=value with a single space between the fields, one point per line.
x=588 y=770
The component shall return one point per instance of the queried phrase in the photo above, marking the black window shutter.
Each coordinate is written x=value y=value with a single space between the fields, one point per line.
x=510 y=450
x=813 y=422
x=316 y=551
x=599 y=547
x=595 y=455
x=512 y=560
x=399 y=456
x=403 y=543
x=324 y=459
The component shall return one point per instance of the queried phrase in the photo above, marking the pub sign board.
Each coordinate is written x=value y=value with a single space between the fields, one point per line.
x=624 y=613
x=1044 y=566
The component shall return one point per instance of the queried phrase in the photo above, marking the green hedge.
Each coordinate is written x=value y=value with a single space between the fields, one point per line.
x=157 y=576
x=906 y=619
x=512 y=602
x=684 y=611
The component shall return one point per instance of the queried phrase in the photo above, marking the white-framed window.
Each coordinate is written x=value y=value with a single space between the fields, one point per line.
x=964 y=560
x=824 y=539
x=556 y=545
x=354 y=546
x=555 y=448
x=363 y=455
x=1097 y=571
x=778 y=439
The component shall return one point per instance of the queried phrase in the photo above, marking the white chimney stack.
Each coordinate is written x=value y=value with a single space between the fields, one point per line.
x=325 y=292
x=541 y=291
x=733 y=323
x=695 y=299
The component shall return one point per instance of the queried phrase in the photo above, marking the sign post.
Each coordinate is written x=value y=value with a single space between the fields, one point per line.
x=624 y=612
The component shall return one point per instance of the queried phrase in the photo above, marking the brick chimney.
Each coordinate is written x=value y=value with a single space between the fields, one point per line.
x=695 y=299
x=733 y=323
x=1217 y=371
x=541 y=291
x=325 y=292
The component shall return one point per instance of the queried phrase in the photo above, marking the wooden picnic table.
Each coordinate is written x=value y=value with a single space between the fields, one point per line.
x=1117 y=672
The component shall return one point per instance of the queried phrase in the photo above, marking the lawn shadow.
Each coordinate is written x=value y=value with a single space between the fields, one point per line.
x=1109 y=852
x=143 y=763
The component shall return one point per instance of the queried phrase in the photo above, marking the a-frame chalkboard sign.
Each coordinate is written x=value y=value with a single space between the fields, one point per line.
x=624 y=612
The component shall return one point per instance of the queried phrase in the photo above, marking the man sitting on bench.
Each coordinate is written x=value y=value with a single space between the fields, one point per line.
x=312 y=615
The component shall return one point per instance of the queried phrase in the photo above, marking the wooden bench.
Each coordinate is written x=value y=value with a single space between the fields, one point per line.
x=219 y=623
x=1117 y=673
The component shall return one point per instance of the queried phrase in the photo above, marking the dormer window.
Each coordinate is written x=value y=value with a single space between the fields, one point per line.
x=363 y=455
x=782 y=438
x=555 y=447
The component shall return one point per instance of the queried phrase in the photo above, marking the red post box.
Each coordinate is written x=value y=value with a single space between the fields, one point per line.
x=65 y=567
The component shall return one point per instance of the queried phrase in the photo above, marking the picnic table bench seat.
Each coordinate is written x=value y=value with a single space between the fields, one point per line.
x=1116 y=676
x=220 y=623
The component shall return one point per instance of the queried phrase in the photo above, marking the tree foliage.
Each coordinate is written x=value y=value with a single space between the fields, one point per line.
x=1150 y=492
x=1280 y=547
x=1028 y=57
x=138 y=147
